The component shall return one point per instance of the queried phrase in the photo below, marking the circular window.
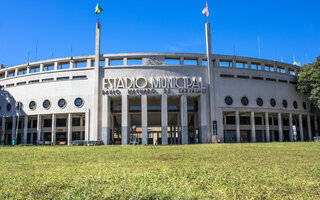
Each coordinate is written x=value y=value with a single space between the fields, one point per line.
x=285 y=103
x=295 y=104
x=228 y=100
x=46 y=104
x=78 y=102
x=259 y=102
x=19 y=105
x=304 y=105
x=244 y=101
x=273 y=102
x=32 y=105
x=8 y=107
x=62 y=103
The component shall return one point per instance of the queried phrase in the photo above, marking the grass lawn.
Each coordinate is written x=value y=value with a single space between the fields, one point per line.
x=220 y=171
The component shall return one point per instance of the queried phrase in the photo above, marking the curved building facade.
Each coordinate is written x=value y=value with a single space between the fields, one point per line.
x=153 y=98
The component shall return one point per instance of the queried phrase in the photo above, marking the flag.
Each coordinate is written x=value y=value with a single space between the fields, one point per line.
x=98 y=9
x=205 y=11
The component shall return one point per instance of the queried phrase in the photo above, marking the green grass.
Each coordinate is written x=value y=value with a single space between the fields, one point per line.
x=221 y=171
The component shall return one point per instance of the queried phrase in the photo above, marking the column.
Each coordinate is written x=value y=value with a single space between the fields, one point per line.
x=309 y=128
x=301 y=128
x=316 y=126
x=13 y=133
x=267 y=126
x=25 y=130
x=290 y=126
x=124 y=120
x=69 y=128
x=41 y=67
x=203 y=129
x=237 y=127
x=144 y=118
x=253 y=127
x=164 y=118
x=71 y=63
x=89 y=63
x=38 y=129
x=53 y=131
x=280 y=132
x=105 y=120
x=3 y=128
x=87 y=126
x=56 y=64
x=220 y=126
x=184 y=118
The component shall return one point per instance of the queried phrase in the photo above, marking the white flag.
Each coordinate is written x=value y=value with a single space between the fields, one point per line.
x=206 y=10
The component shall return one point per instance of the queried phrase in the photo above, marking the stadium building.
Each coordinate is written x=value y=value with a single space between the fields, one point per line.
x=153 y=98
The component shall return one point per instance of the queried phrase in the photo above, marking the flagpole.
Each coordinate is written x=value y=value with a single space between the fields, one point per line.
x=208 y=11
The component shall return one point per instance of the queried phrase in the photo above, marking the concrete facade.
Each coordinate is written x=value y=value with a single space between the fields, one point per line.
x=153 y=98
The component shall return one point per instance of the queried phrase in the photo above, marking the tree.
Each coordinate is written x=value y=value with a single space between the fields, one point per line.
x=309 y=82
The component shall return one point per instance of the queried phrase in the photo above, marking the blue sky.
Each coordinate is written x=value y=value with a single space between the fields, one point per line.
x=286 y=28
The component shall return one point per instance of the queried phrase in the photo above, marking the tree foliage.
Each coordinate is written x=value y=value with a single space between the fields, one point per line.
x=309 y=82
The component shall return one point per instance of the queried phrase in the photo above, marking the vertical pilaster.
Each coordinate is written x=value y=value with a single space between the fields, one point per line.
x=87 y=126
x=291 y=127
x=253 y=127
x=106 y=120
x=184 y=118
x=3 y=128
x=144 y=118
x=267 y=126
x=301 y=127
x=41 y=67
x=220 y=126
x=38 y=129
x=25 y=129
x=280 y=132
x=13 y=132
x=124 y=120
x=309 y=128
x=164 y=118
x=237 y=126
x=69 y=128
x=203 y=119
x=53 y=131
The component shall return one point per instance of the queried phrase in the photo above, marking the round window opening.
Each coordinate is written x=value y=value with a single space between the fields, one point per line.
x=46 y=104
x=285 y=103
x=304 y=105
x=62 y=103
x=273 y=102
x=228 y=100
x=8 y=107
x=244 y=101
x=78 y=102
x=32 y=105
x=295 y=104
x=259 y=102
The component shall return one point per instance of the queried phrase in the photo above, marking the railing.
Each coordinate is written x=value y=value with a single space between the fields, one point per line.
x=147 y=59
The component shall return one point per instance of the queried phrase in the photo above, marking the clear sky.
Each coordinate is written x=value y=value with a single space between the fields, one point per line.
x=286 y=28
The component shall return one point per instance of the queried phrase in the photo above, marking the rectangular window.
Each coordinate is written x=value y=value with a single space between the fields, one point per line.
x=270 y=121
x=62 y=122
x=231 y=120
x=257 y=78
x=62 y=78
x=225 y=64
x=258 y=120
x=47 y=79
x=75 y=121
x=22 y=83
x=172 y=61
x=80 y=65
x=271 y=79
x=34 y=123
x=227 y=75
x=80 y=77
x=242 y=65
x=33 y=81
x=243 y=77
x=47 y=123
x=245 y=120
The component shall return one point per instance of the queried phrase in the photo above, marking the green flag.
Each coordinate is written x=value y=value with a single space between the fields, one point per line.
x=98 y=9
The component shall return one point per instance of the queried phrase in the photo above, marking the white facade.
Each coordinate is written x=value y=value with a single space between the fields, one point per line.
x=153 y=98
